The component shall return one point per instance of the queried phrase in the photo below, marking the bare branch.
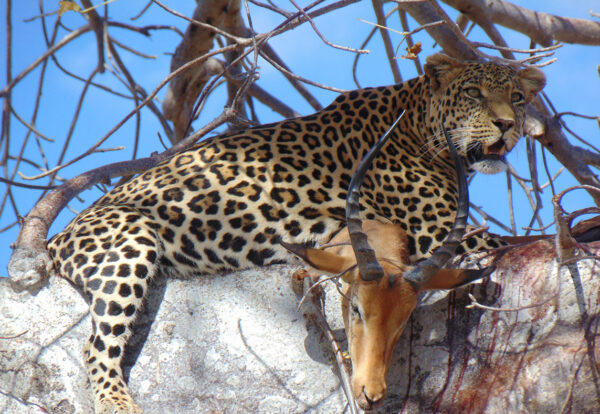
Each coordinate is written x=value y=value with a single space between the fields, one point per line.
x=543 y=28
x=64 y=41
x=183 y=90
x=387 y=42
x=424 y=13
x=133 y=112
x=24 y=185
x=99 y=28
x=327 y=42
x=569 y=155
x=565 y=244
x=317 y=302
x=300 y=78
x=31 y=242
x=475 y=304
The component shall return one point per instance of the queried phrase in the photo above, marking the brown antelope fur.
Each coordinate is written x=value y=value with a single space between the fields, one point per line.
x=377 y=306
x=223 y=204
x=378 y=313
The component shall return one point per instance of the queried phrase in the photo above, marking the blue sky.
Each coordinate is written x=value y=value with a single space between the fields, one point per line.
x=573 y=85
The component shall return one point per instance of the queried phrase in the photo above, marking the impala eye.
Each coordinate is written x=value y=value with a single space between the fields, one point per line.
x=517 y=97
x=356 y=311
x=473 y=92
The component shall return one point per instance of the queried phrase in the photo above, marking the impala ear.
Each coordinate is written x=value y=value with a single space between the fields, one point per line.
x=322 y=260
x=453 y=278
x=533 y=81
x=441 y=68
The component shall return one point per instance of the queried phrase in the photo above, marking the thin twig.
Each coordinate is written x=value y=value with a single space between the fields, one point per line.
x=64 y=41
x=131 y=50
x=14 y=336
x=490 y=218
x=141 y=13
x=511 y=210
x=28 y=125
x=514 y=50
x=323 y=280
x=475 y=304
x=24 y=185
x=317 y=301
x=561 y=114
x=300 y=78
x=409 y=40
x=474 y=232
x=327 y=42
x=133 y=112
x=387 y=42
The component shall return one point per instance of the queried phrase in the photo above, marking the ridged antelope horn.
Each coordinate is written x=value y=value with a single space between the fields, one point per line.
x=420 y=274
x=368 y=266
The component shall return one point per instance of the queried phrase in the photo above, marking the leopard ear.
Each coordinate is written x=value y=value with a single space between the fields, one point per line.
x=441 y=68
x=533 y=80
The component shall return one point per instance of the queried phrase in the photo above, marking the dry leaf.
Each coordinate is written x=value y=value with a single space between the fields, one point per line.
x=413 y=51
x=65 y=6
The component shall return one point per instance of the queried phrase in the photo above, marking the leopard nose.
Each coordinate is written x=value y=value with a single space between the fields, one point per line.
x=504 y=124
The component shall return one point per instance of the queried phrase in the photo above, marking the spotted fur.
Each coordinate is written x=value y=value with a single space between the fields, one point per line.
x=224 y=204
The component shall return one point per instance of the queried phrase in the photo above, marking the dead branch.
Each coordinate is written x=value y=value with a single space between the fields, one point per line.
x=317 y=301
x=29 y=264
x=99 y=27
x=424 y=14
x=543 y=28
x=42 y=58
x=387 y=42
x=565 y=244
x=327 y=42
x=573 y=158
x=475 y=304
x=185 y=88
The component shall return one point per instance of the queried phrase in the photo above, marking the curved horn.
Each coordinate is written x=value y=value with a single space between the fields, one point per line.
x=369 y=267
x=430 y=266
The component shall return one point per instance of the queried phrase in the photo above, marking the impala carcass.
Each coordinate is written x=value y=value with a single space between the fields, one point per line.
x=380 y=286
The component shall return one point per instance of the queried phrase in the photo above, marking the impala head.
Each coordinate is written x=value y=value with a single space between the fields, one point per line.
x=381 y=287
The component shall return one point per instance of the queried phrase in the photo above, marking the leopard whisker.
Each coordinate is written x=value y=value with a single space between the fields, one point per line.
x=458 y=135
x=459 y=138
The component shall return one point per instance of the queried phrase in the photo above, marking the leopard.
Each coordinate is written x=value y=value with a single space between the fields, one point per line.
x=226 y=203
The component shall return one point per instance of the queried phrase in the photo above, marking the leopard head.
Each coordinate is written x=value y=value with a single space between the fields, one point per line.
x=482 y=105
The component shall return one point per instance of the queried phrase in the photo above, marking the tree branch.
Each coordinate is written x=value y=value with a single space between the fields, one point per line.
x=30 y=265
x=543 y=28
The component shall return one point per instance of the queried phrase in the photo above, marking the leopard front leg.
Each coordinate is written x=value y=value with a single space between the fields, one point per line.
x=478 y=241
x=113 y=263
x=113 y=315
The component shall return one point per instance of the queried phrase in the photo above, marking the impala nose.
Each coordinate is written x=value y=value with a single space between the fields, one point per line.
x=368 y=402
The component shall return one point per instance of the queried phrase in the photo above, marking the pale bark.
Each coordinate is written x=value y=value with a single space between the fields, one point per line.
x=235 y=342
x=543 y=28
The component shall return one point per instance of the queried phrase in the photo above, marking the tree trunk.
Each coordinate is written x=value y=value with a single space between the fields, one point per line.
x=236 y=343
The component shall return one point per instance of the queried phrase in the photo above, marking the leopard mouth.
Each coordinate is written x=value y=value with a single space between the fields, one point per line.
x=490 y=159
x=494 y=152
x=497 y=148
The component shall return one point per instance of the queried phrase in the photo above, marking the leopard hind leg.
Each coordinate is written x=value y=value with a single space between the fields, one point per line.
x=115 y=253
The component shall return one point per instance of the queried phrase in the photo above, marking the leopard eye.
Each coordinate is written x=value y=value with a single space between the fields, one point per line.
x=473 y=92
x=517 y=97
